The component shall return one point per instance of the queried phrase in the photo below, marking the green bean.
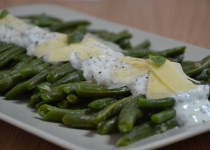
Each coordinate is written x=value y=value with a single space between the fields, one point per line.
x=72 y=87
x=80 y=28
x=30 y=71
x=5 y=47
x=35 y=99
x=125 y=44
x=55 y=94
x=155 y=103
x=128 y=116
x=60 y=72
x=176 y=51
x=19 y=58
x=9 y=82
x=72 y=99
x=75 y=37
x=123 y=35
x=2 y=43
x=203 y=76
x=86 y=121
x=100 y=91
x=178 y=59
x=8 y=52
x=23 y=63
x=39 y=104
x=112 y=109
x=72 y=77
x=42 y=20
x=5 y=73
x=16 y=91
x=63 y=104
x=142 y=53
x=43 y=87
x=163 y=116
x=22 y=87
x=139 y=132
x=121 y=38
x=40 y=77
x=110 y=36
x=101 y=103
x=3 y=14
x=143 y=45
x=193 y=69
x=36 y=61
x=55 y=114
x=160 y=128
x=35 y=80
x=108 y=127
x=9 y=58
x=61 y=27
x=208 y=71
x=13 y=70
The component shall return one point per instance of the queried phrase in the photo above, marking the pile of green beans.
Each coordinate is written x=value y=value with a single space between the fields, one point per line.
x=59 y=93
x=199 y=70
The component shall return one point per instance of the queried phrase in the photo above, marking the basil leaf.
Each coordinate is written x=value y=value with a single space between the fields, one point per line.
x=75 y=37
x=158 y=60
x=3 y=14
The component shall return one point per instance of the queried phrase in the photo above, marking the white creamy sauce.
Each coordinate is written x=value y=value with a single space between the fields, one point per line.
x=100 y=69
x=192 y=107
x=139 y=85
x=108 y=54
x=29 y=37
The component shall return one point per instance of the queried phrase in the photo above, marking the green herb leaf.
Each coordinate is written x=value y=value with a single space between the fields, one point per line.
x=3 y=14
x=158 y=60
x=75 y=37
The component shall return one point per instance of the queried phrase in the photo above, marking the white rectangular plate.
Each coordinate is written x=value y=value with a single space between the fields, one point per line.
x=20 y=115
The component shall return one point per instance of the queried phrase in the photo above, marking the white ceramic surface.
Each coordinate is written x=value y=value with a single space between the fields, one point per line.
x=20 y=115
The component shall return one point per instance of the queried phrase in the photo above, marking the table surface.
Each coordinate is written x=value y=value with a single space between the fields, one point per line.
x=186 y=20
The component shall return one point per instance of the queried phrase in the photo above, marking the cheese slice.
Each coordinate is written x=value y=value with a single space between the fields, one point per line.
x=165 y=80
x=87 y=49
x=126 y=76
x=13 y=22
x=156 y=89
x=63 y=54
x=171 y=76
x=59 y=55
x=84 y=50
x=55 y=44
x=137 y=62
x=178 y=65
x=85 y=53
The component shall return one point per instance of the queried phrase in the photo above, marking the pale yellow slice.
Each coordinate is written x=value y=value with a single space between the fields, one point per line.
x=13 y=22
x=55 y=44
x=126 y=76
x=171 y=76
x=156 y=89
